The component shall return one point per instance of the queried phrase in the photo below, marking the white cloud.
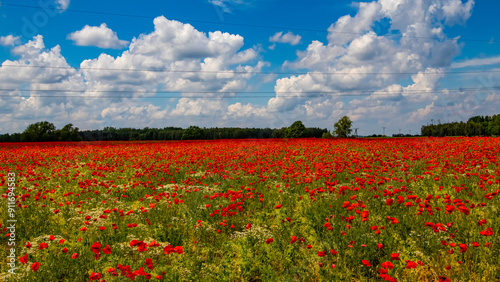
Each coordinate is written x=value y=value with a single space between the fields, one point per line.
x=218 y=62
x=476 y=62
x=359 y=61
x=288 y=38
x=178 y=48
x=228 y=6
x=63 y=4
x=9 y=40
x=100 y=36
x=35 y=53
x=352 y=74
x=457 y=12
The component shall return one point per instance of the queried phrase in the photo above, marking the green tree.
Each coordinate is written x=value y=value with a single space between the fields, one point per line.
x=326 y=135
x=296 y=130
x=67 y=133
x=192 y=133
x=40 y=131
x=343 y=127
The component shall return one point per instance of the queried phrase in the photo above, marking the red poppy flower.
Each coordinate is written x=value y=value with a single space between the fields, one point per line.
x=365 y=262
x=96 y=247
x=43 y=246
x=142 y=247
x=75 y=255
x=107 y=250
x=321 y=254
x=387 y=265
x=395 y=256
x=149 y=263
x=24 y=259
x=170 y=249
x=463 y=247
x=179 y=250
x=487 y=232
x=269 y=241
x=95 y=276
x=293 y=239
x=411 y=264
x=35 y=266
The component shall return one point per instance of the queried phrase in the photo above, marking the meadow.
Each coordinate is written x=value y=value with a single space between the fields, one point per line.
x=396 y=209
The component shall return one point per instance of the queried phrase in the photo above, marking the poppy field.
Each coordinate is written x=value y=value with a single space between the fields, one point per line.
x=399 y=209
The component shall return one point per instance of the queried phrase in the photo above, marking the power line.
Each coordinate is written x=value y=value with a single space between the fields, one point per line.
x=352 y=91
x=250 y=72
x=181 y=94
x=242 y=25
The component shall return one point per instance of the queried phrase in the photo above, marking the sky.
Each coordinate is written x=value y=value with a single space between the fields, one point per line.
x=390 y=65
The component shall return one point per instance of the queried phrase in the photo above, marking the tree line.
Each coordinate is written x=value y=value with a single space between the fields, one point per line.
x=475 y=126
x=45 y=131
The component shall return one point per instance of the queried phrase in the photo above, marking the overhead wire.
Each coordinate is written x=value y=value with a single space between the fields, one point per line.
x=242 y=25
x=249 y=72
x=233 y=94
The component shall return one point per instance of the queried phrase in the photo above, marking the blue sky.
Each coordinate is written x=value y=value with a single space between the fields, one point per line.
x=249 y=63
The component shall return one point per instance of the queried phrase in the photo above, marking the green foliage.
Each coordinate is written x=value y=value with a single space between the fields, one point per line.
x=327 y=135
x=343 y=127
x=475 y=126
x=296 y=130
x=67 y=133
x=192 y=133
x=166 y=133
x=45 y=131
x=284 y=176
x=40 y=131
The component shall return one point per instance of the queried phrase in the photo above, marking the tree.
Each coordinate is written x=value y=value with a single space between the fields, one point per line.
x=67 y=133
x=192 y=133
x=296 y=130
x=343 y=127
x=326 y=135
x=40 y=131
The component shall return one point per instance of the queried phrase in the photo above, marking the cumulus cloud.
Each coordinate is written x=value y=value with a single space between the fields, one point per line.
x=9 y=40
x=358 y=61
x=476 y=62
x=34 y=53
x=99 y=36
x=202 y=68
x=379 y=80
x=186 y=59
x=228 y=6
x=457 y=12
x=63 y=4
x=288 y=38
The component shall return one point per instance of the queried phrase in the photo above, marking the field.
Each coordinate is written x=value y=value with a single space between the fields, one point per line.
x=416 y=209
